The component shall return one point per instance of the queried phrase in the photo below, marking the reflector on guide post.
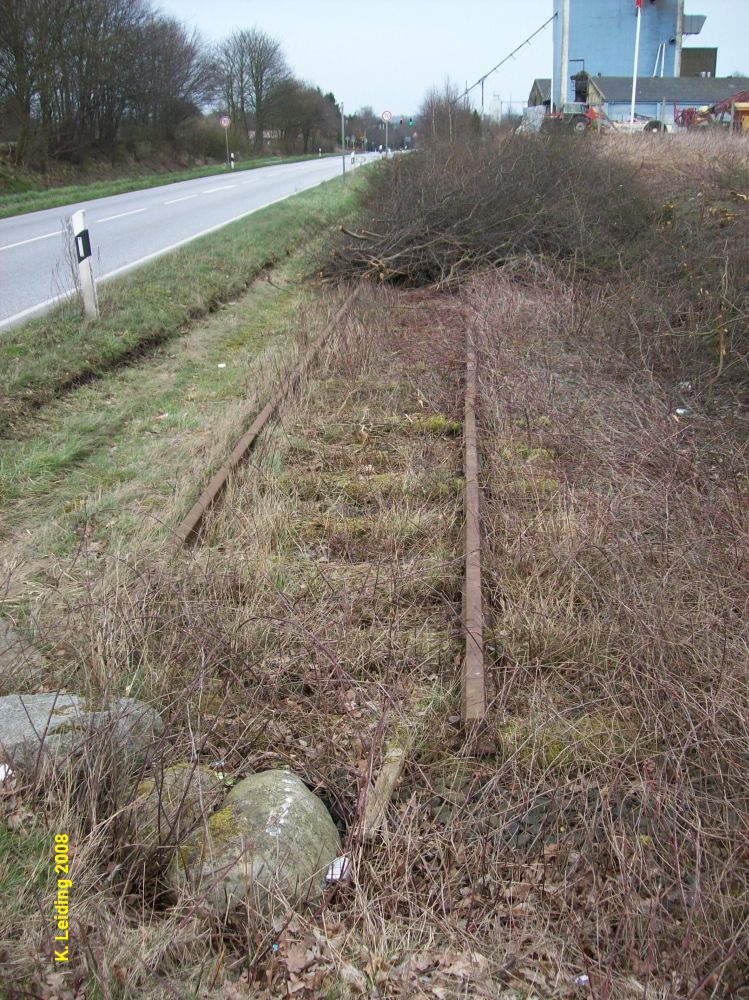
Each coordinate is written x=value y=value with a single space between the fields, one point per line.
x=83 y=256
x=82 y=245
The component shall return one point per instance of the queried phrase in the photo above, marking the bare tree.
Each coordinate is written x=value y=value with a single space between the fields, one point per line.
x=365 y=127
x=253 y=69
x=31 y=32
x=73 y=72
x=175 y=76
x=79 y=65
x=444 y=116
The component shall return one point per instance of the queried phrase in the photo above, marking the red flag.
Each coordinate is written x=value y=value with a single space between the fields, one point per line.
x=638 y=4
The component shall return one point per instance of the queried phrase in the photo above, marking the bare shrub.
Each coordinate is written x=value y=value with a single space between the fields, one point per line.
x=659 y=230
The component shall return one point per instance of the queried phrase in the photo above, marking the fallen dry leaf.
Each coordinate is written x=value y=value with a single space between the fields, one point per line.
x=464 y=966
x=298 y=958
x=353 y=978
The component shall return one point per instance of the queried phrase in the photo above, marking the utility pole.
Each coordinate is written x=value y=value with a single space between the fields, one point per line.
x=637 y=57
x=343 y=142
x=679 y=39
x=564 y=55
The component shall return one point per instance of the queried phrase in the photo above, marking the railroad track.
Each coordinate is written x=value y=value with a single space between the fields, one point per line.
x=473 y=694
x=188 y=529
x=473 y=700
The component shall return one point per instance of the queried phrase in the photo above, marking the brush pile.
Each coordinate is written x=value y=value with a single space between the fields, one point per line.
x=658 y=234
x=441 y=213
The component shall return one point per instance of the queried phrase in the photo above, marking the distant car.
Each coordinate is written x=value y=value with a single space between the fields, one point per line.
x=650 y=125
x=641 y=123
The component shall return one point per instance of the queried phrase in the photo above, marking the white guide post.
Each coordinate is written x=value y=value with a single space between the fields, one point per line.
x=85 y=272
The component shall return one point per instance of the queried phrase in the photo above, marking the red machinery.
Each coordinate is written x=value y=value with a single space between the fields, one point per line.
x=715 y=114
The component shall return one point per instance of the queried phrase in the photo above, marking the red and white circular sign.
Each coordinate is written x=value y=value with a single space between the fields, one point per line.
x=224 y=121
x=387 y=115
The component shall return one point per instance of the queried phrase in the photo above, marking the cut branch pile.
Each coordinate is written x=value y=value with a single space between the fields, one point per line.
x=657 y=231
x=443 y=214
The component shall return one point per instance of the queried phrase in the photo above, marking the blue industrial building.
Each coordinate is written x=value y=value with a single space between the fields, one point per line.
x=601 y=39
x=596 y=40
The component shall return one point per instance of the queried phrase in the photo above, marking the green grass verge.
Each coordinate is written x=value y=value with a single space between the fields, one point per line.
x=36 y=199
x=113 y=459
x=47 y=356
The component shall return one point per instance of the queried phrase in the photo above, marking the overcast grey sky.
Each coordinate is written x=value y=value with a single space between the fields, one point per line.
x=387 y=53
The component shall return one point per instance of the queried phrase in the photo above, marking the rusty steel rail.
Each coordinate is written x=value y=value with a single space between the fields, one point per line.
x=473 y=699
x=188 y=528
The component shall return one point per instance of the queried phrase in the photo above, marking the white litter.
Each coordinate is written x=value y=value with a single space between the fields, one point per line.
x=5 y=772
x=222 y=365
x=338 y=870
x=683 y=411
x=582 y=981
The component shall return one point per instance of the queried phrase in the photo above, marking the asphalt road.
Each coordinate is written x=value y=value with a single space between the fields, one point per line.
x=130 y=229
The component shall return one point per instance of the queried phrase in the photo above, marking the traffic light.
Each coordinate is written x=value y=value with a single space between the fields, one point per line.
x=400 y=121
x=410 y=122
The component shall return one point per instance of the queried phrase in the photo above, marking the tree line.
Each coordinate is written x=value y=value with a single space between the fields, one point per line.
x=83 y=79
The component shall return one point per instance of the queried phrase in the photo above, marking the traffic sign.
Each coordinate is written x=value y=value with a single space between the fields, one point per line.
x=224 y=121
x=387 y=115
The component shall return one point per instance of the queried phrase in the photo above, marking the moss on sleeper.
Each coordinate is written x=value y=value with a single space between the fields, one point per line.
x=526 y=453
x=360 y=491
x=571 y=744
x=356 y=528
x=436 y=424
x=532 y=487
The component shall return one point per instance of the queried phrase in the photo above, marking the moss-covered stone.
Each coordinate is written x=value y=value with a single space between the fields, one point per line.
x=167 y=806
x=268 y=846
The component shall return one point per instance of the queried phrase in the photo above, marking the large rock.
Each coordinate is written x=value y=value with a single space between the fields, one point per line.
x=273 y=840
x=63 y=724
x=168 y=807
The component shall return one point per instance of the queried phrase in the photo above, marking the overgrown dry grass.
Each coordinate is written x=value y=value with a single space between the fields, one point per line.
x=657 y=227
x=617 y=575
x=682 y=161
x=592 y=840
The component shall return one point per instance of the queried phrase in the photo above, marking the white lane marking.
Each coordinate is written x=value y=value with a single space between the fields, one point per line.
x=122 y=215
x=175 y=246
x=33 y=239
x=175 y=200
x=40 y=307
x=224 y=187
